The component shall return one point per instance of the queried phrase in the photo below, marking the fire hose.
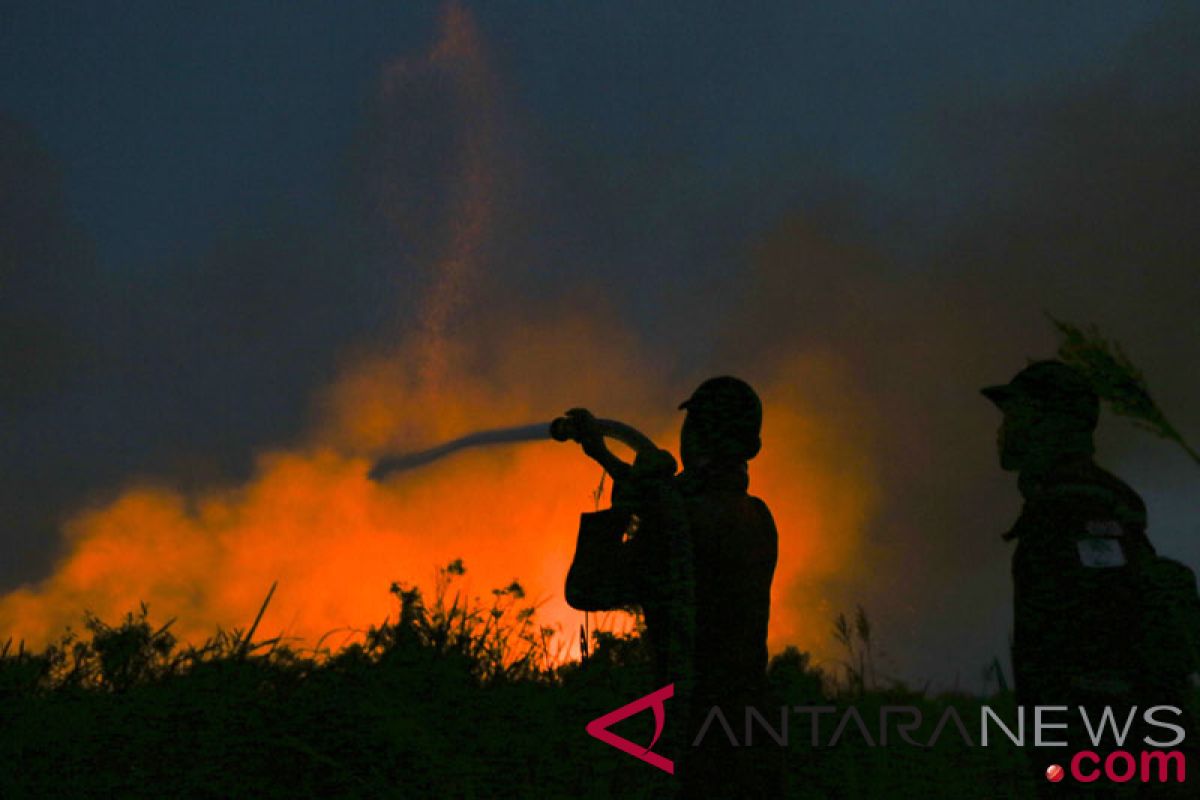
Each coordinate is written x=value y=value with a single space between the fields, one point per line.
x=599 y=577
x=562 y=429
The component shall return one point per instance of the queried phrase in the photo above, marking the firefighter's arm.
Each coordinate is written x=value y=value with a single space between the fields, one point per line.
x=590 y=436
x=618 y=550
x=759 y=554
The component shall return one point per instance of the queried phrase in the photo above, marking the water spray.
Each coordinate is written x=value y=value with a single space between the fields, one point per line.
x=562 y=429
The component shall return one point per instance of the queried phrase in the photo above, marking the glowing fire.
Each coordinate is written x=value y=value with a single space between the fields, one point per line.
x=310 y=519
x=335 y=540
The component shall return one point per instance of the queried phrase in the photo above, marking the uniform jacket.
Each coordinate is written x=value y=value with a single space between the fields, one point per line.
x=1081 y=547
x=718 y=605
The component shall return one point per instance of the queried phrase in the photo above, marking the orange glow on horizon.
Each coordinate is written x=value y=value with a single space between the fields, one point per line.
x=310 y=519
x=335 y=541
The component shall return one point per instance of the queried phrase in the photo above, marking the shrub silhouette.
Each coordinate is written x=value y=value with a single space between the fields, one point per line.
x=452 y=696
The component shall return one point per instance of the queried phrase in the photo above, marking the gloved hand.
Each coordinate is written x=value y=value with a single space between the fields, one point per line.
x=587 y=432
x=654 y=464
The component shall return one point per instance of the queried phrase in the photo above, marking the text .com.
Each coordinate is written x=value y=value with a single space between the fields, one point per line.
x=1123 y=766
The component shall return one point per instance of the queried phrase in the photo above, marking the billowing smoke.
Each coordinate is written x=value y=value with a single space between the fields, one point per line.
x=479 y=358
x=526 y=282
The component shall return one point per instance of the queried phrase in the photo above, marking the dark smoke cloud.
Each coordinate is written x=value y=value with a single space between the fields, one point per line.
x=46 y=272
x=178 y=369
x=1080 y=208
x=1073 y=198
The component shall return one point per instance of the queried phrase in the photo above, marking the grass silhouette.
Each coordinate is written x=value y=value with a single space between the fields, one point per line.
x=454 y=698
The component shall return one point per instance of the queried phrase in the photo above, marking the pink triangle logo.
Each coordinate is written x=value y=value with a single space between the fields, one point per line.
x=599 y=727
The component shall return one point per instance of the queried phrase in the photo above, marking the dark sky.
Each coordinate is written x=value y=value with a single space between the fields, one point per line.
x=172 y=126
x=188 y=248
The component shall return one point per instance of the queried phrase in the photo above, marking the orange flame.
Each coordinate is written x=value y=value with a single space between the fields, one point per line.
x=335 y=541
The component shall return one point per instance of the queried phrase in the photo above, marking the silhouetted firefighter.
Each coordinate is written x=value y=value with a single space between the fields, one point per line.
x=697 y=553
x=1099 y=619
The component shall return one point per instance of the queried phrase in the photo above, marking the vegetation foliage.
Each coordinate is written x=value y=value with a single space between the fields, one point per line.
x=456 y=697
x=1115 y=379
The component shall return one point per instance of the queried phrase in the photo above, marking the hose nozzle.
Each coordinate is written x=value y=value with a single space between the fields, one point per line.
x=564 y=429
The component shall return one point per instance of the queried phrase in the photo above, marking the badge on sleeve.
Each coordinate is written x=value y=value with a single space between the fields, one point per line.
x=1101 y=553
